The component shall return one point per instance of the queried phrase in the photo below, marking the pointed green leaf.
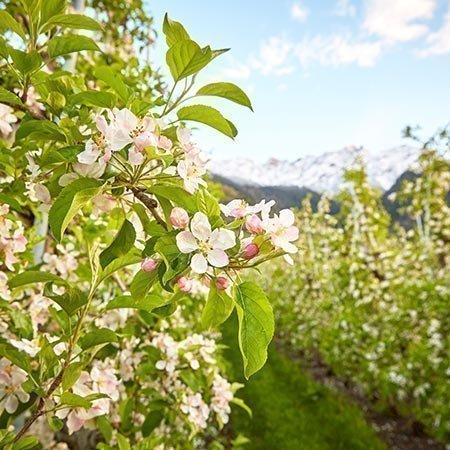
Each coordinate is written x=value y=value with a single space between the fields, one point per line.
x=100 y=99
x=75 y=21
x=114 y=81
x=174 y=31
x=97 y=337
x=7 y=22
x=187 y=58
x=33 y=277
x=148 y=303
x=70 y=200
x=256 y=325
x=70 y=43
x=218 y=308
x=121 y=244
x=209 y=116
x=226 y=90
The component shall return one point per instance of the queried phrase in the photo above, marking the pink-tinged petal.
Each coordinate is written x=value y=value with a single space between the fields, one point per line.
x=90 y=154
x=287 y=217
x=102 y=126
x=74 y=421
x=200 y=227
x=218 y=258
x=199 y=264
x=291 y=234
x=183 y=135
x=135 y=157
x=222 y=239
x=11 y=403
x=145 y=140
x=186 y=242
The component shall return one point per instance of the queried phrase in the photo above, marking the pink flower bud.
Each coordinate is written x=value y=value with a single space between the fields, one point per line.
x=149 y=264
x=185 y=284
x=179 y=218
x=250 y=251
x=254 y=224
x=222 y=283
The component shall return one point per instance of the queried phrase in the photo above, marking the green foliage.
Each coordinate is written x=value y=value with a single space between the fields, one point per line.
x=209 y=116
x=256 y=325
x=71 y=199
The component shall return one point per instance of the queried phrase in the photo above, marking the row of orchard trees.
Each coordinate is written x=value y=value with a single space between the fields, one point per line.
x=372 y=297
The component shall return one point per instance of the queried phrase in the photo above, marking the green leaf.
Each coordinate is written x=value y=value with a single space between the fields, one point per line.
x=121 y=244
x=148 y=303
x=218 y=308
x=40 y=129
x=75 y=21
x=7 y=22
x=71 y=375
x=130 y=258
x=9 y=97
x=74 y=400
x=100 y=99
x=71 y=301
x=114 y=81
x=226 y=90
x=174 y=31
x=175 y=194
x=97 y=337
x=256 y=325
x=26 y=443
x=141 y=284
x=209 y=116
x=33 y=277
x=70 y=200
x=25 y=62
x=208 y=204
x=70 y=43
x=50 y=8
x=123 y=442
x=175 y=261
x=152 y=420
x=186 y=58
x=18 y=358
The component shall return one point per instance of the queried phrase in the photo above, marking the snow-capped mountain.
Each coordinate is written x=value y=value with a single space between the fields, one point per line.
x=320 y=173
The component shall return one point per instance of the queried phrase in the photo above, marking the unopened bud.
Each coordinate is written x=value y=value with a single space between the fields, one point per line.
x=250 y=251
x=179 y=218
x=149 y=264
x=254 y=224
x=222 y=283
x=185 y=284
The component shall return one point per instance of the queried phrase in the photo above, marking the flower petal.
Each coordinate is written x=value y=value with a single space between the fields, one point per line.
x=223 y=239
x=287 y=217
x=200 y=226
x=186 y=242
x=199 y=264
x=218 y=258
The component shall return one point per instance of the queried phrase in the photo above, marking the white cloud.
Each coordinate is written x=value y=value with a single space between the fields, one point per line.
x=272 y=57
x=345 y=8
x=337 y=50
x=237 y=72
x=439 y=42
x=298 y=12
x=397 y=20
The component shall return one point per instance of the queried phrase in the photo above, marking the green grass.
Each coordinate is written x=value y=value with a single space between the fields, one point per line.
x=291 y=411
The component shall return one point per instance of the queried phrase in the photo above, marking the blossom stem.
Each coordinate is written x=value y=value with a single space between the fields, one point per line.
x=150 y=203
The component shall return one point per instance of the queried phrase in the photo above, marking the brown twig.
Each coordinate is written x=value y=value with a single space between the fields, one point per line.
x=150 y=203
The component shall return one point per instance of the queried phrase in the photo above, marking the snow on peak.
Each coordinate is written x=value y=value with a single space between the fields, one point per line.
x=321 y=173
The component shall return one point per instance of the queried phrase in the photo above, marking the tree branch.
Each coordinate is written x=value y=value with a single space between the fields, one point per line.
x=150 y=203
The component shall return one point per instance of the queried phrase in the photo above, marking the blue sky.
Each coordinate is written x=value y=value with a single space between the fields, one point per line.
x=322 y=74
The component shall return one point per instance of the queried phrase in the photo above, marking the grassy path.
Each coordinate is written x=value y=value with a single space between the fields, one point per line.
x=291 y=411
